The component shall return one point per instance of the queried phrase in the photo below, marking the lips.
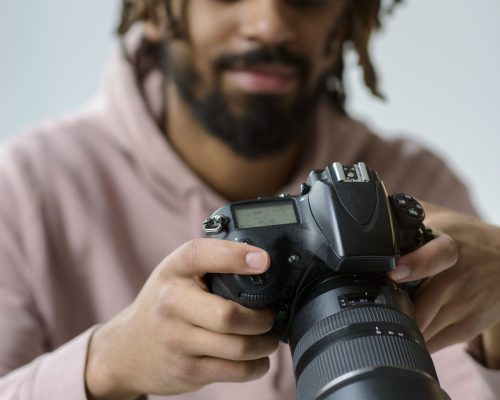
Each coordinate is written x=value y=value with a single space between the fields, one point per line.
x=264 y=78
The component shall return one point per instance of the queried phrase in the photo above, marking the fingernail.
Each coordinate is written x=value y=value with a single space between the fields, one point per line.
x=256 y=260
x=401 y=272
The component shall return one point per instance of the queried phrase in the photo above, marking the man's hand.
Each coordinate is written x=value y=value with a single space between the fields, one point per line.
x=461 y=297
x=176 y=336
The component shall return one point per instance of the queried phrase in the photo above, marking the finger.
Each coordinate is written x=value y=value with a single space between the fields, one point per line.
x=206 y=370
x=429 y=299
x=212 y=312
x=452 y=334
x=431 y=208
x=434 y=257
x=200 y=256
x=231 y=347
x=445 y=317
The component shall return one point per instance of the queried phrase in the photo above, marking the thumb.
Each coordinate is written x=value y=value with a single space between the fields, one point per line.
x=201 y=256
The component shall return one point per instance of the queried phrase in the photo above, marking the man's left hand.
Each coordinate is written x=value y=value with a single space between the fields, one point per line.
x=460 y=299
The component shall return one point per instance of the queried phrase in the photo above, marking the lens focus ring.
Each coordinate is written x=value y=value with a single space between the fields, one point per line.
x=359 y=354
x=357 y=339
x=350 y=317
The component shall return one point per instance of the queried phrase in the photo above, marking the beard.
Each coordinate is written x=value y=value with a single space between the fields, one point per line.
x=265 y=124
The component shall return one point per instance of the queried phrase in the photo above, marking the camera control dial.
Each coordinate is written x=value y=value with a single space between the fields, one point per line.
x=409 y=211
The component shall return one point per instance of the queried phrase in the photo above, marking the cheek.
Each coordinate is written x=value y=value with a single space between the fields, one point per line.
x=320 y=54
x=192 y=67
x=211 y=27
x=204 y=46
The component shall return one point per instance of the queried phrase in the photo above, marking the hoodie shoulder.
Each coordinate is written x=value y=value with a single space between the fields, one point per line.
x=402 y=162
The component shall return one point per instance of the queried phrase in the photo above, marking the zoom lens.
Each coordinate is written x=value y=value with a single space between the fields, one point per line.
x=353 y=338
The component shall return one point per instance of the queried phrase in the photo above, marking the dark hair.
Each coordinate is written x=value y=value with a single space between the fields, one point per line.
x=361 y=18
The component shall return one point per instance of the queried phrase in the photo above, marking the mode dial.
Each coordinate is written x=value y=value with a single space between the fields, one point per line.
x=409 y=212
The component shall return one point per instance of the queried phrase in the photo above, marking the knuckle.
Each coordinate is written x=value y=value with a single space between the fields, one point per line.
x=259 y=323
x=174 y=338
x=252 y=369
x=229 y=315
x=242 y=348
x=450 y=249
x=163 y=272
x=244 y=370
x=189 y=253
x=167 y=301
x=187 y=370
x=174 y=342
x=267 y=319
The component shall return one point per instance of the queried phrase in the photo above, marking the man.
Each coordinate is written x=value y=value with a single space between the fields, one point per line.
x=216 y=101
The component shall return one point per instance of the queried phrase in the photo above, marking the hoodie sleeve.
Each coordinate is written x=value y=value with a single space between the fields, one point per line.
x=489 y=387
x=51 y=376
x=489 y=379
x=28 y=367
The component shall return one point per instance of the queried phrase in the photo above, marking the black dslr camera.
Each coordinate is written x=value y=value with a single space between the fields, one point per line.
x=351 y=329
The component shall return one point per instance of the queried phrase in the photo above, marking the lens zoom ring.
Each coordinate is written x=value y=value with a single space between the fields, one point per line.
x=346 y=318
x=360 y=353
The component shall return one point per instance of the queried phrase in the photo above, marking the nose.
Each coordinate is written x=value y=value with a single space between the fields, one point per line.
x=266 y=22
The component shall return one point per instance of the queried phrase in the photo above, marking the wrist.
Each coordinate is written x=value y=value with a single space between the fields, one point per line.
x=103 y=377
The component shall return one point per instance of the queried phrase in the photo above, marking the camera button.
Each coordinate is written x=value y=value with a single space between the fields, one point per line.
x=402 y=202
x=415 y=213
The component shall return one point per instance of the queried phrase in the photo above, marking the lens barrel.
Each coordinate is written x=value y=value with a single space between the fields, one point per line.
x=354 y=338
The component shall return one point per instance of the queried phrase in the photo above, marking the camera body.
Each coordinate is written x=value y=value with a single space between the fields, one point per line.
x=351 y=329
x=342 y=222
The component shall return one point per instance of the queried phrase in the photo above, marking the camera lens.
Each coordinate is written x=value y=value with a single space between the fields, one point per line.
x=353 y=337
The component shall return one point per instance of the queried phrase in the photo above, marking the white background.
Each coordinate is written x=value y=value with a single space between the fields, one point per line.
x=439 y=62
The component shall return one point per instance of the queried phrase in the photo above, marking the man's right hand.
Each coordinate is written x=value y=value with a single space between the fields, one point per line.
x=176 y=336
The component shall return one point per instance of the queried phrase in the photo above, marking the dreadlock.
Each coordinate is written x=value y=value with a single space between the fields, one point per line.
x=361 y=18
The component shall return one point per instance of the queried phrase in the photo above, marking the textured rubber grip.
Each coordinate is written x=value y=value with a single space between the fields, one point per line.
x=357 y=339
x=360 y=353
x=347 y=318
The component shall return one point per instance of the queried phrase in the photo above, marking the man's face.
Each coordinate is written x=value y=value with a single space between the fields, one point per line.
x=250 y=69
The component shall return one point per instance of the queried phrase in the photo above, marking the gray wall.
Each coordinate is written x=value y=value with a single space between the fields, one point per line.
x=439 y=60
x=51 y=57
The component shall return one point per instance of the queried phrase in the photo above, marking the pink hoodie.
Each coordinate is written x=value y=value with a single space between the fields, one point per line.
x=91 y=203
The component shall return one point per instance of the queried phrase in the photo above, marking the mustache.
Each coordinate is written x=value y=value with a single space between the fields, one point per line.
x=277 y=55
